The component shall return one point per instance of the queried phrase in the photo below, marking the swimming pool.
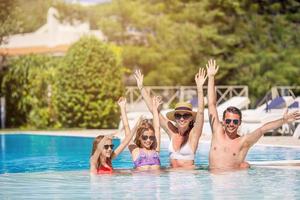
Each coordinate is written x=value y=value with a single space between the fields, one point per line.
x=56 y=167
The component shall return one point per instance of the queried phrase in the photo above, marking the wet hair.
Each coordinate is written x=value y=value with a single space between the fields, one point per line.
x=97 y=140
x=191 y=125
x=234 y=110
x=145 y=125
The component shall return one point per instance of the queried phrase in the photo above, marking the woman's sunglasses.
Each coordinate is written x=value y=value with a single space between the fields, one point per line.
x=106 y=146
x=235 y=121
x=184 y=116
x=145 y=137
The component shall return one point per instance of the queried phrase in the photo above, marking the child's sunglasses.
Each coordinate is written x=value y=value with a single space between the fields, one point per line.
x=145 y=137
x=106 y=146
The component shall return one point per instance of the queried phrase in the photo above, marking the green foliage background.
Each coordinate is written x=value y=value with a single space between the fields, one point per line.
x=256 y=43
x=89 y=83
x=25 y=87
x=79 y=90
x=8 y=16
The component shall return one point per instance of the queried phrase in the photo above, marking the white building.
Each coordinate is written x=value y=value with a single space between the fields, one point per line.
x=52 y=38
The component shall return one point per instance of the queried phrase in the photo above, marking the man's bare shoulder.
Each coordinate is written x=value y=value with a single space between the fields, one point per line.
x=218 y=135
x=243 y=140
x=219 y=130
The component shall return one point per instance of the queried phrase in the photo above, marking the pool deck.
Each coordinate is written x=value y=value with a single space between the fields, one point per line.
x=284 y=141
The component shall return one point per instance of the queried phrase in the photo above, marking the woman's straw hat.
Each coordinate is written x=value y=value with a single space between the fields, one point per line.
x=181 y=107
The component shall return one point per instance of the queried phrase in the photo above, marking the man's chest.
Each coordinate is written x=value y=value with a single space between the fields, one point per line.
x=225 y=147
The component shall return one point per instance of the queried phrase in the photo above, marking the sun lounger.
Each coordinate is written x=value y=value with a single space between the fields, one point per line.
x=274 y=109
x=280 y=102
x=239 y=102
x=295 y=104
x=297 y=132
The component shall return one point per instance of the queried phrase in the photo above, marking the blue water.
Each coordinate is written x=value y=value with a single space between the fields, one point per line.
x=56 y=167
x=36 y=153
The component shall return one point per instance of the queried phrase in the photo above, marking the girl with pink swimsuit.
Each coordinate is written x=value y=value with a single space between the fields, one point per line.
x=146 y=146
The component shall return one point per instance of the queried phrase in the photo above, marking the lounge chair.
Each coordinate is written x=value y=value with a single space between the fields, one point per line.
x=274 y=109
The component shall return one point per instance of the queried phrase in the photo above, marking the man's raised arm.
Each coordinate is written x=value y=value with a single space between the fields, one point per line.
x=212 y=69
x=252 y=138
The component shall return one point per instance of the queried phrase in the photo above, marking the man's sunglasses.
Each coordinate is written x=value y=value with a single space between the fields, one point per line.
x=235 y=121
x=184 y=116
x=145 y=137
x=106 y=146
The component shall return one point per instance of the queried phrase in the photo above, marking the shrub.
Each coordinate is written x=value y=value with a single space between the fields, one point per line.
x=25 y=86
x=89 y=85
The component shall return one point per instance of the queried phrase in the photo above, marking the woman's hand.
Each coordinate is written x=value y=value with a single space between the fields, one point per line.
x=139 y=77
x=157 y=101
x=200 y=77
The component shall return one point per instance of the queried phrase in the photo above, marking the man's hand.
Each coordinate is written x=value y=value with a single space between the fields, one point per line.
x=290 y=117
x=212 y=68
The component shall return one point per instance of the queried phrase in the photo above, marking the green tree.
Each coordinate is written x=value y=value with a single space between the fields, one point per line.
x=169 y=40
x=32 y=14
x=71 y=13
x=89 y=84
x=251 y=40
x=268 y=52
x=26 y=86
x=256 y=42
x=8 y=21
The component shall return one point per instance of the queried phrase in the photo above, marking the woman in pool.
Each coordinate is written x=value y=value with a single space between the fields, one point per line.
x=103 y=149
x=187 y=128
x=146 y=146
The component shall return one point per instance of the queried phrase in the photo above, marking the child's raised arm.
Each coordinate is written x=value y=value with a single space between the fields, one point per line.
x=156 y=102
x=128 y=133
x=147 y=98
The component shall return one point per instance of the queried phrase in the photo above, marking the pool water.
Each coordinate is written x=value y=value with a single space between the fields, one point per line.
x=36 y=153
x=56 y=167
x=257 y=183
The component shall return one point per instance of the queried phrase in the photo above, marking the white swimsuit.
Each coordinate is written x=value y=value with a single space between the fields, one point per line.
x=184 y=153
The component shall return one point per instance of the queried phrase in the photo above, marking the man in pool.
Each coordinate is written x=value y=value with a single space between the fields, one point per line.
x=228 y=149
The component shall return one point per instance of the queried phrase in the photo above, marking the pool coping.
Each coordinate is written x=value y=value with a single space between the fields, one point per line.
x=278 y=164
